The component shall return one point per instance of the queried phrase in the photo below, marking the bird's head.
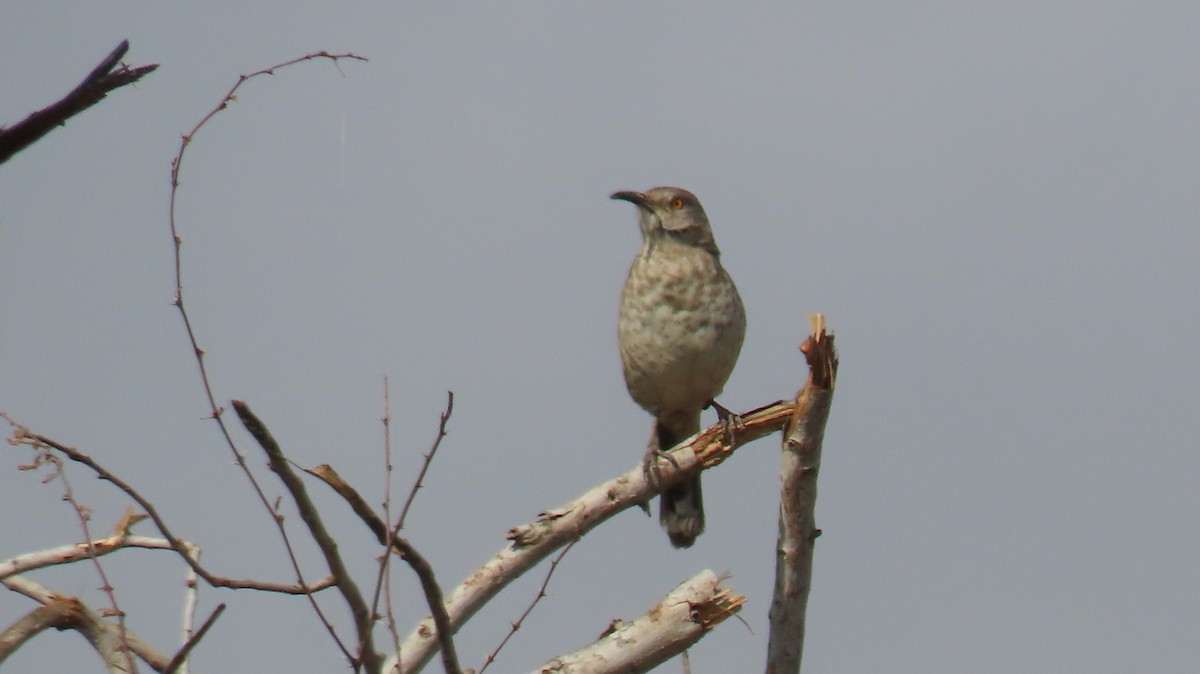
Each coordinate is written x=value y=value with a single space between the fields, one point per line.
x=671 y=212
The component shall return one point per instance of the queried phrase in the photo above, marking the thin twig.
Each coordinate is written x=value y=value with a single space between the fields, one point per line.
x=407 y=552
x=181 y=657
x=84 y=515
x=541 y=593
x=22 y=435
x=418 y=483
x=344 y=582
x=383 y=584
x=178 y=301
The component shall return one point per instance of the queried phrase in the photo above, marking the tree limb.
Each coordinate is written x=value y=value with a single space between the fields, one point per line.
x=407 y=552
x=69 y=554
x=363 y=620
x=797 y=525
x=685 y=615
x=57 y=615
x=101 y=634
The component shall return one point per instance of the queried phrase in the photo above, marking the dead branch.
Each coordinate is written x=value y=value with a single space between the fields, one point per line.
x=407 y=552
x=59 y=615
x=198 y=353
x=102 y=635
x=363 y=620
x=91 y=91
x=685 y=615
x=22 y=435
x=68 y=554
x=798 y=496
x=181 y=656
x=541 y=594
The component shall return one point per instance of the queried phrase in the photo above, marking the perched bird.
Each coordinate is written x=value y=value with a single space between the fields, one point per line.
x=680 y=331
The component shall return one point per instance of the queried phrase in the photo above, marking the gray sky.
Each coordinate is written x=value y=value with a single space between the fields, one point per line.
x=993 y=203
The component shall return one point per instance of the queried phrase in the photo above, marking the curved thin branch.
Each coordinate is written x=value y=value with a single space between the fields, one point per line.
x=215 y=410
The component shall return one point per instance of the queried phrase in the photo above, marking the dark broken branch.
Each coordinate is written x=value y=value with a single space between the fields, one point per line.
x=91 y=91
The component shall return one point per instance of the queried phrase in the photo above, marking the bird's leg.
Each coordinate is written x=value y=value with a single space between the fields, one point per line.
x=730 y=421
x=650 y=466
x=650 y=462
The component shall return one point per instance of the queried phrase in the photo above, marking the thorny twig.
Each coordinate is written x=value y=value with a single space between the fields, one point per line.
x=541 y=593
x=418 y=483
x=84 y=515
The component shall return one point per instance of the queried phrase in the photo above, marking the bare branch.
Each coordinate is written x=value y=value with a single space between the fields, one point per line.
x=91 y=91
x=68 y=554
x=363 y=620
x=198 y=353
x=191 y=598
x=122 y=649
x=531 y=543
x=797 y=526
x=383 y=582
x=541 y=593
x=685 y=615
x=417 y=483
x=23 y=436
x=407 y=552
x=59 y=615
x=102 y=635
x=181 y=657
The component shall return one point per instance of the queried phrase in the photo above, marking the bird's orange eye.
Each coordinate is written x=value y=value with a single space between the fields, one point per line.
x=677 y=203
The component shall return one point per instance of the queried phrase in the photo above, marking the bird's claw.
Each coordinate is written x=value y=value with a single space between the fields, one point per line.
x=650 y=464
x=730 y=421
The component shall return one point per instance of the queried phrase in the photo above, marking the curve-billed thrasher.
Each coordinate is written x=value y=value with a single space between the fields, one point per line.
x=680 y=331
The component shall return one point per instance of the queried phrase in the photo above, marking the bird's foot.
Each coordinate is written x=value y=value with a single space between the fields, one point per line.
x=730 y=421
x=650 y=462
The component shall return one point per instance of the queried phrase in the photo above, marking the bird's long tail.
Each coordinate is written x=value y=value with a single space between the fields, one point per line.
x=681 y=509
